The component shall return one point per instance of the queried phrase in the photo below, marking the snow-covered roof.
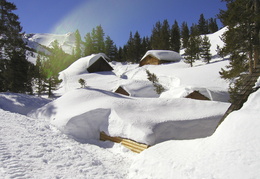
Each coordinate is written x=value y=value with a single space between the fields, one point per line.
x=167 y=55
x=80 y=66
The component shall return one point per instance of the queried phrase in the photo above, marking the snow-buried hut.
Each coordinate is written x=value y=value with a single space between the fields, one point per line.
x=98 y=63
x=156 y=57
x=92 y=63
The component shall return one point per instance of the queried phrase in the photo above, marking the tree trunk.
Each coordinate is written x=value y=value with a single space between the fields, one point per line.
x=250 y=62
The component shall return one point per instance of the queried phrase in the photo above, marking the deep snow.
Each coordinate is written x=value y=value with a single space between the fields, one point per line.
x=84 y=113
x=44 y=146
x=233 y=151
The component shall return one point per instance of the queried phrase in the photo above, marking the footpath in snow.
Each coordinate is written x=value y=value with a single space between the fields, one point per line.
x=31 y=148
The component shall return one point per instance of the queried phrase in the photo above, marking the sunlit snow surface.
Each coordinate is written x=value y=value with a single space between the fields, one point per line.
x=44 y=146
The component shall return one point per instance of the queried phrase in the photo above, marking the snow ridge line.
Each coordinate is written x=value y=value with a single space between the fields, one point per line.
x=11 y=166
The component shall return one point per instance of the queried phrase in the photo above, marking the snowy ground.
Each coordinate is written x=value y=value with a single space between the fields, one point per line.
x=41 y=138
x=32 y=148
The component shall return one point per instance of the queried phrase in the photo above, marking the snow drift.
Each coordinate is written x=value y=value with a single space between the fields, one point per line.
x=83 y=113
x=231 y=152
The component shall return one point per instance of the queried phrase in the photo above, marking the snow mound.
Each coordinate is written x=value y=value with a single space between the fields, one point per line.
x=21 y=103
x=257 y=84
x=231 y=152
x=80 y=66
x=167 y=55
x=83 y=113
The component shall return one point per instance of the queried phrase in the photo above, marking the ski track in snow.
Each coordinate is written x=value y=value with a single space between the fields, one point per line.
x=32 y=148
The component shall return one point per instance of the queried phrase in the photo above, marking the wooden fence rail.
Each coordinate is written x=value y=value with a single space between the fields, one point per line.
x=130 y=144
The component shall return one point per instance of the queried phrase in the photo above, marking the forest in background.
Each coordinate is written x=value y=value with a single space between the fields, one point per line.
x=242 y=44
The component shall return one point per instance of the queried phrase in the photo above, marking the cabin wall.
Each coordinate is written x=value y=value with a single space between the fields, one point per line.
x=149 y=60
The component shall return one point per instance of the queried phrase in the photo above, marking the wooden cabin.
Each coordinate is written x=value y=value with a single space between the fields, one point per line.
x=197 y=95
x=99 y=64
x=157 y=57
x=121 y=90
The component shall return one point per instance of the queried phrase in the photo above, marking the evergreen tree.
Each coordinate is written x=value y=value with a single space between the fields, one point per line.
x=110 y=48
x=202 y=25
x=137 y=47
x=145 y=45
x=185 y=34
x=39 y=77
x=78 y=42
x=242 y=19
x=130 y=49
x=241 y=39
x=212 y=25
x=194 y=30
x=193 y=49
x=154 y=79
x=52 y=66
x=165 y=36
x=119 y=56
x=88 y=45
x=156 y=36
x=14 y=67
x=98 y=39
x=205 y=49
x=175 y=37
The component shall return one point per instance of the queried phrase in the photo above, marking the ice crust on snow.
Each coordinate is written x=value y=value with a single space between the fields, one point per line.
x=84 y=113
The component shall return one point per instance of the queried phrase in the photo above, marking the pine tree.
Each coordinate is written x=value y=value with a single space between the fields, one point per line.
x=154 y=79
x=192 y=50
x=137 y=47
x=98 y=39
x=156 y=36
x=205 y=49
x=14 y=67
x=202 y=25
x=88 y=45
x=242 y=19
x=185 y=34
x=110 y=48
x=241 y=40
x=39 y=75
x=194 y=30
x=212 y=25
x=52 y=66
x=78 y=42
x=119 y=56
x=165 y=36
x=130 y=49
x=175 y=37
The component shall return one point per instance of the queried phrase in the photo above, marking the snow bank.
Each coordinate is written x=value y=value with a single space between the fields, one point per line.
x=257 y=84
x=83 y=113
x=20 y=103
x=233 y=151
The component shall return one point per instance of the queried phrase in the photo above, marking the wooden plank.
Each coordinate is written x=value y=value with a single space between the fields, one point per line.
x=130 y=144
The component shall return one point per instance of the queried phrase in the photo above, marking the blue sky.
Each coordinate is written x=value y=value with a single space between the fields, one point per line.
x=117 y=17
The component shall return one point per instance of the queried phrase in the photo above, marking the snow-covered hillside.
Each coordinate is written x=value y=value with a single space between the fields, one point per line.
x=66 y=41
x=59 y=138
x=39 y=42
x=233 y=151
